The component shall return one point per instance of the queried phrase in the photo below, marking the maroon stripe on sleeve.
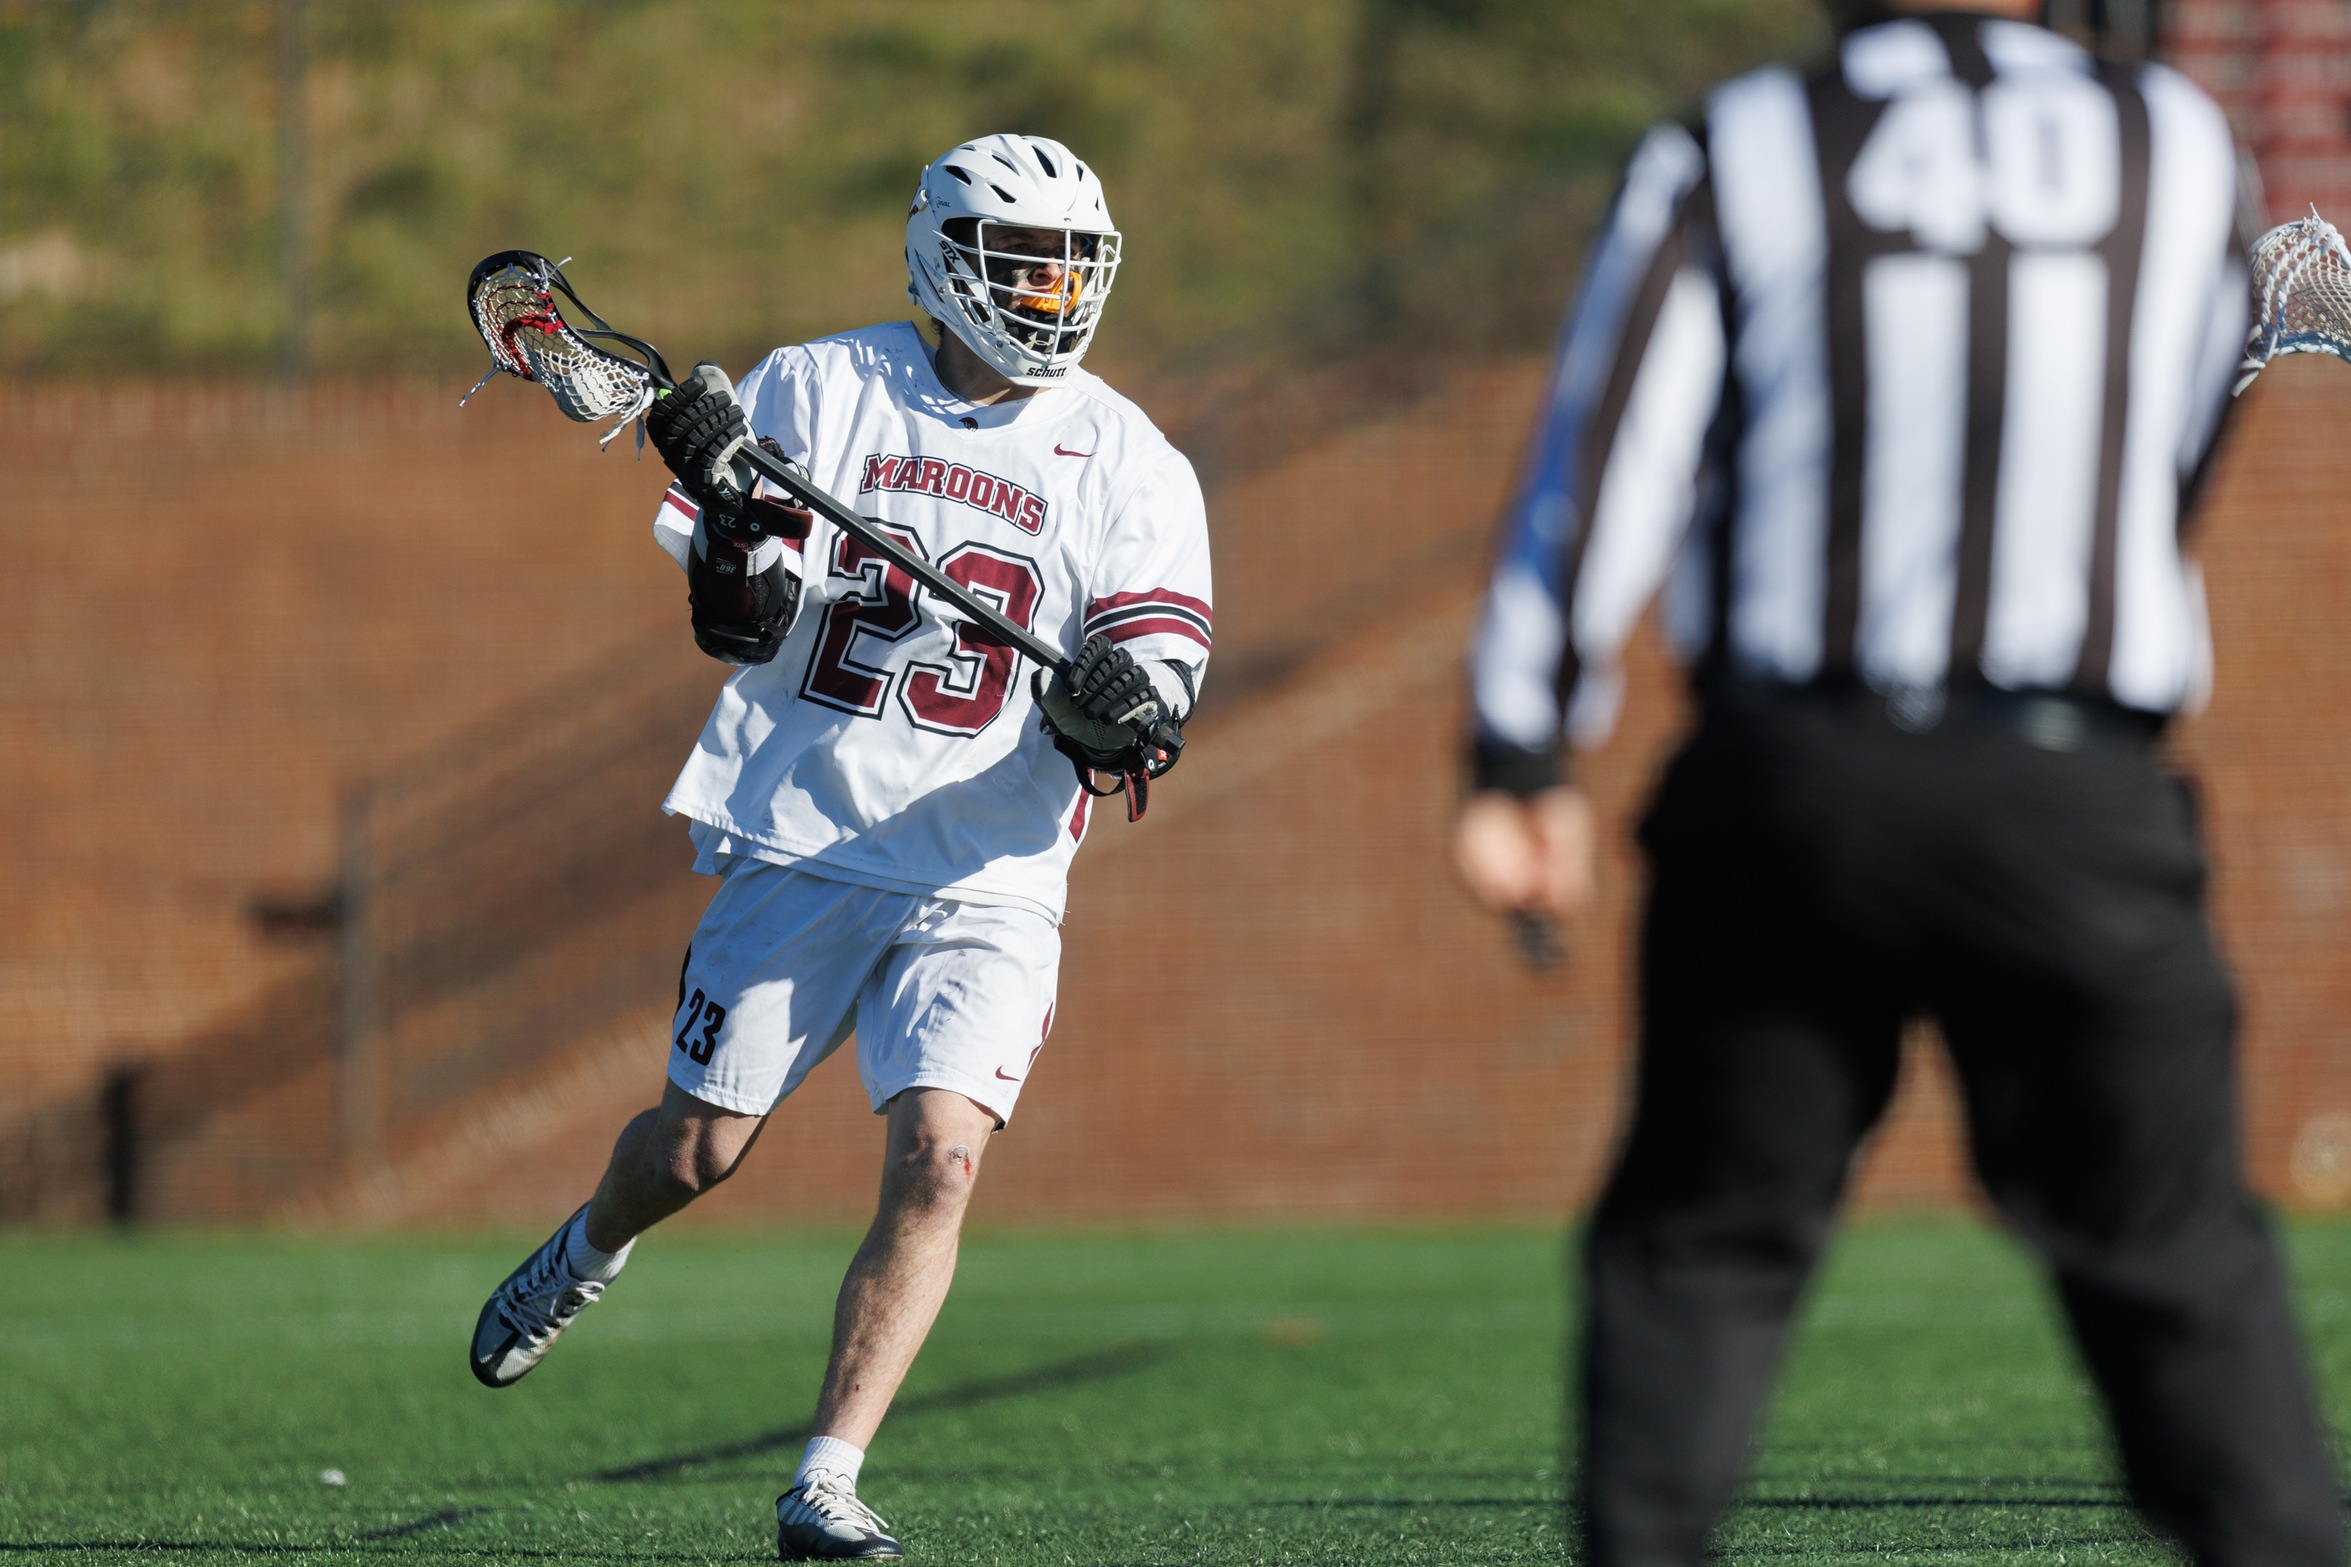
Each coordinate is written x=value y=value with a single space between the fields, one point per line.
x=1155 y=625
x=1166 y=596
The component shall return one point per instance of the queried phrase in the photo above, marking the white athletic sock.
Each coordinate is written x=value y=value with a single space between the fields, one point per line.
x=586 y=1262
x=833 y=1455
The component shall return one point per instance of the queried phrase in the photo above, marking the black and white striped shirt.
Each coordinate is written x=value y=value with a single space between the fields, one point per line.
x=1901 y=373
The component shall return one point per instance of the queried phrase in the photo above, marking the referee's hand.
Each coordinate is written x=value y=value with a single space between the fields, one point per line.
x=1532 y=854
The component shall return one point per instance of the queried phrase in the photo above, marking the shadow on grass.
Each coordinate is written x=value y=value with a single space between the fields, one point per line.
x=445 y=1520
x=1124 y=1360
x=1405 y=1503
x=1839 y=1493
x=1829 y=1504
x=344 y=1547
x=2039 y=1545
x=448 y=1519
x=1833 y=1504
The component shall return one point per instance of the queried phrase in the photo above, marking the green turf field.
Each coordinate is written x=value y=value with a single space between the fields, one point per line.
x=1364 y=1396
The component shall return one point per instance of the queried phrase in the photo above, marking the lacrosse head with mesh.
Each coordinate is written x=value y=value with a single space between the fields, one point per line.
x=511 y=298
x=2302 y=289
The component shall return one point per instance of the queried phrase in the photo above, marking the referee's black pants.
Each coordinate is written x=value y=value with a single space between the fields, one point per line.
x=2030 y=875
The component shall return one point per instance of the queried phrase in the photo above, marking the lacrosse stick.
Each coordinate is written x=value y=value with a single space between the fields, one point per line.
x=511 y=297
x=2302 y=282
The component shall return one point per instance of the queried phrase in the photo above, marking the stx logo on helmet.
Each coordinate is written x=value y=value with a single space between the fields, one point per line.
x=955 y=482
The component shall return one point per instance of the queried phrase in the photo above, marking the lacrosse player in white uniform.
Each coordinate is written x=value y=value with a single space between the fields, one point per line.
x=889 y=797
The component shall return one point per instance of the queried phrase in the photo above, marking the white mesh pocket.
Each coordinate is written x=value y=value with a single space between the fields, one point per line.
x=514 y=309
x=2302 y=288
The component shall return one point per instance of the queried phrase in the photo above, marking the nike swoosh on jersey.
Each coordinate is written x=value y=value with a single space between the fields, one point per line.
x=1008 y=1077
x=1062 y=451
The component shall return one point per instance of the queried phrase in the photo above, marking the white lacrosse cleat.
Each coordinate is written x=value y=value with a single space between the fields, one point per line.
x=821 y=1520
x=525 y=1315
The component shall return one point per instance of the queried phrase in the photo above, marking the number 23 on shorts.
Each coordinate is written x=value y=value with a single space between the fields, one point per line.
x=698 y=1028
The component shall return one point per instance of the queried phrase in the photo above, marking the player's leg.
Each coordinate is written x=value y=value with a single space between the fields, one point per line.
x=764 y=996
x=899 y=1278
x=663 y=1160
x=1752 y=1096
x=891 y=1296
x=2097 y=1050
x=1769 y=1043
x=948 y=1028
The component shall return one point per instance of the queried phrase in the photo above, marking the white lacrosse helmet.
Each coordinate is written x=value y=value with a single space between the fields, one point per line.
x=1028 y=309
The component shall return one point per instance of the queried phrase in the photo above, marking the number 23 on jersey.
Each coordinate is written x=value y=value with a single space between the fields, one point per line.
x=856 y=646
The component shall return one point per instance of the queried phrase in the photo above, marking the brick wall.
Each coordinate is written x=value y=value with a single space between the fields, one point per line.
x=2282 y=68
x=1274 y=1001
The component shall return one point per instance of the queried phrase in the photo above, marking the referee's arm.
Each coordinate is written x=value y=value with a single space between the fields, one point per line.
x=1610 y=486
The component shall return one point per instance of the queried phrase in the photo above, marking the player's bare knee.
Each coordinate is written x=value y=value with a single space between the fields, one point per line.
x=690 y=1163
x=678 y=1178
x=934 y=1179
x=694 y=1146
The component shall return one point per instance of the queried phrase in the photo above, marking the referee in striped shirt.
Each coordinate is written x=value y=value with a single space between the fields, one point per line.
x=1899 y=380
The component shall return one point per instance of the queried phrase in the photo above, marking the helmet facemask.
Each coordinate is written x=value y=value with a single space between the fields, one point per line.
x=1038 y=290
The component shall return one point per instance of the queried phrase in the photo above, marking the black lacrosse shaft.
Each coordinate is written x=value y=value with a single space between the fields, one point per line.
x=1165 y=735
x=800 y=488
x=862 y=529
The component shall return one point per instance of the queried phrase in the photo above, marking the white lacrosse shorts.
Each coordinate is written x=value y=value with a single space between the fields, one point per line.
x=784 y=965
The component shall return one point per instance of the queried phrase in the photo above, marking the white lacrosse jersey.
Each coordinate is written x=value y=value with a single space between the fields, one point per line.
x=888 y=743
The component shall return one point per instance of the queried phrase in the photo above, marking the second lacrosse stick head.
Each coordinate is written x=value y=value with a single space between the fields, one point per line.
x=511 y=299
x=2302 y=288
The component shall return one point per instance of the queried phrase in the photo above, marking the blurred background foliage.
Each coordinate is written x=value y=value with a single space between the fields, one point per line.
x=1295 y=179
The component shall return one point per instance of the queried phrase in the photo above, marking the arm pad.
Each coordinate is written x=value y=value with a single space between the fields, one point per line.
x=741 y=613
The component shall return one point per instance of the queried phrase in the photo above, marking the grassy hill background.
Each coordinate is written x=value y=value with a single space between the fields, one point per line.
x=1294 y=179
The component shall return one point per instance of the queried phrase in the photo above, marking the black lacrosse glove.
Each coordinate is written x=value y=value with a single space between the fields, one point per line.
x=747 y=519
x=741 y=616
x=697 y=428
x=694 y=426
x=1106 y=717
